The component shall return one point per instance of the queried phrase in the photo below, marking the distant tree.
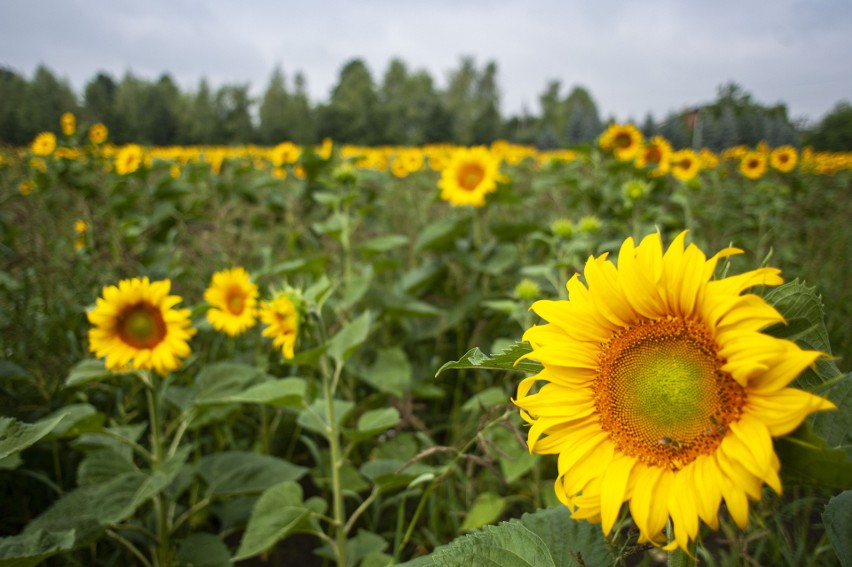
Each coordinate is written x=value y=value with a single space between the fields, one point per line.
x=202 y=123
x=583 y=122
x=301 y=116
x=233 y=109
x=159 y=122
x=273 y=127
x=47 y=98
x=649 y=126
x=352 y=114
x=834 y=131
x=130 y=100
x=553 y=118
x=460 y=100
x=99 y=100
x=486 y=123
x=13 y=92
x=394 y=101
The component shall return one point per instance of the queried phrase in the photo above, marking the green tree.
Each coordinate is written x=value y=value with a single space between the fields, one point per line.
x=130 y=98
x=834 y=131
x=460 y=100
x=352 y=114
x=47 y=98
x=13 y=93
x=486 y=123
x=583 y=121
x=202 y=122
x=274 y=127
x=159 y=122
x=233 y=108
x=99 y=100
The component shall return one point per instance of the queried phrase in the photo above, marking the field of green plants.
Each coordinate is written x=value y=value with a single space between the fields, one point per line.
x=363 y=414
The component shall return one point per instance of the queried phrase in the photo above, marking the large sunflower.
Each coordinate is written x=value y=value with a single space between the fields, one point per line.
x=469 y=176
x=136 y=326
x=233 y=301
x=661 y=391
x=281 y=316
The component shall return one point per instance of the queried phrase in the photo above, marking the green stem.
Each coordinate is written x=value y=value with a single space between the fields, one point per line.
x=329 y=384
x=679 y=557
x=158 y=452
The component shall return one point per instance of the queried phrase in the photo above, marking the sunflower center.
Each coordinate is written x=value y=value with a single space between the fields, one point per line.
x=653 y=155
x=470 y=176
x=622 y=140
x=142 y=326
x=236 y=301
x=662 y=395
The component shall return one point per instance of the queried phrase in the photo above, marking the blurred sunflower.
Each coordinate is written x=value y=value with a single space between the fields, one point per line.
x=784 y=158
x=655 y=156
x=285 y=153
x=68 y=122
x=625 y=140
x=98 y=134
x=136 y=326
x=233 y=300
x=753 y=164
x=685 y=164
x=281 y=317
x=44 y=144
x=129 y=159
x=469 y=176
x=661 y=391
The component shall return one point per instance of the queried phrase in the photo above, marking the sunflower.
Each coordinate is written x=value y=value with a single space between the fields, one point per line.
x=98 y=134
x=68 y=123
x=655 y=156
x=44 y=144
x=661 y=391
x=784 y=159
x=685 y=164
x=281 y=315
x=469 y=176
x=136 y=326
x=624 y=140
x=129 y=159
x=233 y=300
x=285 y=153
x=753 y=164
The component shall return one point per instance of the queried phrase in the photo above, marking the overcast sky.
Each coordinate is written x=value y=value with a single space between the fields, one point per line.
x=634 y=57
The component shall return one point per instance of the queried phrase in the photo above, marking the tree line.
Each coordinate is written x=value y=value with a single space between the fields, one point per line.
x=403 y=107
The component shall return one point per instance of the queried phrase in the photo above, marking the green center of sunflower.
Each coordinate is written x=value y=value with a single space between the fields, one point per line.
x=236 y=301
x=662 y=395
x=142 y=326
x=470 y=176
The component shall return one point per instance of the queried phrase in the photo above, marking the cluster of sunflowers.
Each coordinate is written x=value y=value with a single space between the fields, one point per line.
x=135 y=324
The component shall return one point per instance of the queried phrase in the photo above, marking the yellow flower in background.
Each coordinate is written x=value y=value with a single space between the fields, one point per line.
x=233 y=300
x=68 y=123
x=470 y=175
x=661 y=391
x=136 y=326
x=285 y=153
x=685 y=164
x=784 y=158
x=44 y=144
x=625 y=140
x=326 y=148
x=655 y=156
x=98 y=134
x=709 y=160
x=80 y=226
x=753 y=164
x=129 y=159
x=26 y=187
x=281 y=317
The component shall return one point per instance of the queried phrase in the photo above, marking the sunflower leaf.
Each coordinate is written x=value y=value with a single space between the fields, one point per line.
x=806 y=459
x=32 y=548
x=803 y=311
x=15 y=436
x=838 y=526
x=277 y=513
x=506 y=359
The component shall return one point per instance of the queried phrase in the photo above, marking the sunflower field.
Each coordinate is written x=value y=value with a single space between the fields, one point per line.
x=615 y=354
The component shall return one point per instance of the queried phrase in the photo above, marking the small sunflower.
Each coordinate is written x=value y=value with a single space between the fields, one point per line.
x=44 y=144
x=129 y=159
x=233 y=300
x=136 y=326
x=753 y=164
x=469 y=176
x=284 y=153
x=661 y=391
x=784 y=159
x=98 y=134
x=68 y=122
x=625 y=140
x=655 y=156
x=281 y=317
x=685 y=164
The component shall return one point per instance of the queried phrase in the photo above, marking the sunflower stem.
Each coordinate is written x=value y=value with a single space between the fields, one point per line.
x=329 y=386
x=679 y=557
x=158 y=452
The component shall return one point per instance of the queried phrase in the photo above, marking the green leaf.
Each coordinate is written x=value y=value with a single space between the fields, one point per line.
x=286 y=392
x=102 y=466
x=397 y=306
x=378 y=420
x=278 y=511
x=836 y=426
x=487 y=398
x=486 y=509
x=838 y=526
x=514 y=458
x=390 y=373
x=316 y=419
x=344 y=344
x=803 y=310
x=506 y=545
x=570 y=541
x=440 y=234
x=806 y=459
x=504 y=360
x=78 y=419
x=15 y=436
x=204 y=550
x=384 y=243
x=26 y=550
x=219 y=381
x=231 y=473
x=91 y=370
